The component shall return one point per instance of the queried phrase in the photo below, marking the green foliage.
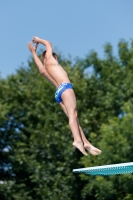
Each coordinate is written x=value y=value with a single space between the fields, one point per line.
x=36 y=151
x=39 y=140
x=115 y=123
x=116 y=144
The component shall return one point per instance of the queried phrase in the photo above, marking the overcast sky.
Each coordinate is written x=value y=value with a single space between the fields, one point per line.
x=72 y=26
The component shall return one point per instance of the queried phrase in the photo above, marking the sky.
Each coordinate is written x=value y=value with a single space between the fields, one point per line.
x=74 y=27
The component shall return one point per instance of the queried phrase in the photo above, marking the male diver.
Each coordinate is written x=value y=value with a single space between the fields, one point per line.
x=48 y=66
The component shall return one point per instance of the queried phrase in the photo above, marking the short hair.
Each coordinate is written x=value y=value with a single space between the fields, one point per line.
x=44 y=53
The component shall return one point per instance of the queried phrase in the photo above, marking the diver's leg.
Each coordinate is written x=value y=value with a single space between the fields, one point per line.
x=69 y=102
x=87 y=145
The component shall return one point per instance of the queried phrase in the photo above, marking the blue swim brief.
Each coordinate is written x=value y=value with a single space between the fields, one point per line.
x=60 y=90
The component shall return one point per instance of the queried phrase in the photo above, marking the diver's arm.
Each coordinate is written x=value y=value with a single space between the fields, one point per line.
x=42 y=69
x=40 y=66
x=46 y=43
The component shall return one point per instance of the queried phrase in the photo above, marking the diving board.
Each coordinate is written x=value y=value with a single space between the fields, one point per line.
x=123 y=168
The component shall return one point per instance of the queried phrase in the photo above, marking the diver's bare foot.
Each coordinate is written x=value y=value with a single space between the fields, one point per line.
x=93 y=150
x=80 y=146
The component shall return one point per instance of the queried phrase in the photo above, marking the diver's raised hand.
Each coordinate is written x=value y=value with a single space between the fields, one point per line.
x=31 y=47
x=36 y=40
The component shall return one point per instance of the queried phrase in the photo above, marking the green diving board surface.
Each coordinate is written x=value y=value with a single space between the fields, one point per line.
x=123 y=168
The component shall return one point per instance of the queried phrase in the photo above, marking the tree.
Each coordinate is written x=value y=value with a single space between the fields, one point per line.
x=36 y=141
x=114 y=119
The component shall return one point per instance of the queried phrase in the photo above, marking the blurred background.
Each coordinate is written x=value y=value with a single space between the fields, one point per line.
x=94 y=44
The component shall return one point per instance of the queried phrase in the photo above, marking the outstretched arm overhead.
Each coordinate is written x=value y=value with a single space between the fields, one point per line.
x=39 y=63
x=46 y=43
